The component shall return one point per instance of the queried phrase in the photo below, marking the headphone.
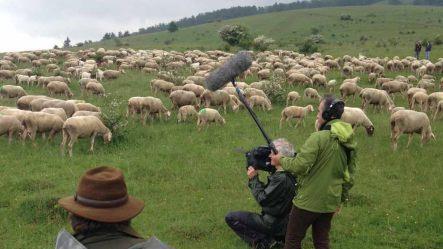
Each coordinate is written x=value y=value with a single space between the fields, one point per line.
x=332 y=110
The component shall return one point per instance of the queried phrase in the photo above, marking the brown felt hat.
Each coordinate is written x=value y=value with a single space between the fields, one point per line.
x=102 y=196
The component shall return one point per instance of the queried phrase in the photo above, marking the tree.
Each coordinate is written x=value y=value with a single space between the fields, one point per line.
x=67 y=43
x=107 y=36
x=120 y=34
x=126 y=33
x=236 y=35
x=172 y=27
x=56 y=47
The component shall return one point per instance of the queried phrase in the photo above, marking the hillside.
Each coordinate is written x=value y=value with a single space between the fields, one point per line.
x=377 y=30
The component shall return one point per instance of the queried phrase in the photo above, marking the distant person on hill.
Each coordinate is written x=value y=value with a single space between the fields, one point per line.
x=417 y=49
x=100 y=214
x=428 y=50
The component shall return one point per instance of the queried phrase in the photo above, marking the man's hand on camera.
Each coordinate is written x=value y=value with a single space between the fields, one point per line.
x=275 y=159
x=251 y=172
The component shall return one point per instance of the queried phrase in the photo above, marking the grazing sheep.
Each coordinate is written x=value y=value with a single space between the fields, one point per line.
x=181 y=98
x=11 y=91
x=99 y=75
x=260 y=101
x=197 y=89
x=372 y=77
x=151 y=107
x=347 y=71
x=209 y=115
x=377 y=98
x=24 y=102
x=70 y=108
x=357 y=117
x=44 y=81
x=292 y=97
x=83 y=82
x=439 y=109
x=7 y=74
x=112 y=74
x=311 y=93
x=161 y=85
x=252 y=91
x=87 y=107
x=349 y=89
x=394 y=86
x=420 y=98
x=9 y=125
x=19 y=79
x=331 y=85
x=410 y=122
x=353 y=80
x=56 y=111
x=319 y=79
x=95 y=88
x=134 y=106
x=59 y=87
x=218 y=98
x=433 y=99
x=299 y=79
x=41 y=122
x=429 y=85
x=413 y=90
x=380 y=81
x=83 y=127
x=185 y=112
x=295 y=112
x=87 y=113
x=396 y=109
x=264 y=74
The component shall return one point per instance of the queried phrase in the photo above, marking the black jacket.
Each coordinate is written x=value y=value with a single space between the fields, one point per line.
x=275 y=197
x=428 y=47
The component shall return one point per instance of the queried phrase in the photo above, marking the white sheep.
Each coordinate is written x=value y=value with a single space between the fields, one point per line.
x=11 y=91
x=56 y=111
x=357 y=117
x=293 y=96
x=209 y=115
x=41 y=122
x=9 y=125
x=420 y=98
x=260 y=101
x=59 y=87
x=311 y=93
x=349 y=89
x=410 y=122
x=331 y=85
x=87 y=113
x=295 y=112
x=95 y=88
x=83 y=127
x=376 y=97
x=185 y=112
x=439 y=109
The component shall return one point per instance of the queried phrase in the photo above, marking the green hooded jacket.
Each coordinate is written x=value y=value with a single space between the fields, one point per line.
x=324 y=168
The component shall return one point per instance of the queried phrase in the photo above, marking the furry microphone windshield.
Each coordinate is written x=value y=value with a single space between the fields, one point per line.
x=235 y=66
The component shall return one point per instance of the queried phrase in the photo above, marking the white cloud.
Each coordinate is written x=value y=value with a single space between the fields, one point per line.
x=38 y=24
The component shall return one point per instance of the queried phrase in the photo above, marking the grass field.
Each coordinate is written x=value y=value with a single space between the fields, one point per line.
x=376 y=30
x=189 y=180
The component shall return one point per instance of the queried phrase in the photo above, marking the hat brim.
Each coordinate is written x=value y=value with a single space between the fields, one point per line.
x=109 y=215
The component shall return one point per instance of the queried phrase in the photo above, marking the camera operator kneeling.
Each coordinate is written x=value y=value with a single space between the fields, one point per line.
x=275 y=198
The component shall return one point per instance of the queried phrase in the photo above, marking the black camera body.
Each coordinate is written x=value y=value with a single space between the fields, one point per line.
x=259 y=159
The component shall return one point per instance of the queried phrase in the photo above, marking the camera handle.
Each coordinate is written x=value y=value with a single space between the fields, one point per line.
x=242 y=98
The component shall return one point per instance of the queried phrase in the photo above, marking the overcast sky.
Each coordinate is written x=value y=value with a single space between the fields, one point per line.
x=40 y=24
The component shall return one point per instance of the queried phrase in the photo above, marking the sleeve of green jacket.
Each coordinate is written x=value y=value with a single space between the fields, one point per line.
x=349 y=176
x=305 y=159
x=261 y=193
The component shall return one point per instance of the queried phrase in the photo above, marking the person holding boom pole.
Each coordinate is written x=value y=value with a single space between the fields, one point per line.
x=324 y=168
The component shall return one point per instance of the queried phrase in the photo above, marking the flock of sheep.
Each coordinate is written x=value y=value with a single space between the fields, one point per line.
x=76 y=119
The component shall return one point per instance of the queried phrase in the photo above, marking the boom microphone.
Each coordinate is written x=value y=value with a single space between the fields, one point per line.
x=235 y=66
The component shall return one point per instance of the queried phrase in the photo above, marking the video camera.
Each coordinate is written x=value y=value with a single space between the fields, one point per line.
x=259 y=159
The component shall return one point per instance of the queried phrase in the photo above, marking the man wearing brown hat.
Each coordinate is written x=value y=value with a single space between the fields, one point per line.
x=101 y=211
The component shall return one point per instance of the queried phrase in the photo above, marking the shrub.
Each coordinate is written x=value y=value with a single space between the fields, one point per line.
x=316 y=38
x=345 y=17
x=262 y=43
x=273 y=89
x=114 y=119
x=308 y=47
x=438 y=40
x=235 y=35
x=315 y=31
